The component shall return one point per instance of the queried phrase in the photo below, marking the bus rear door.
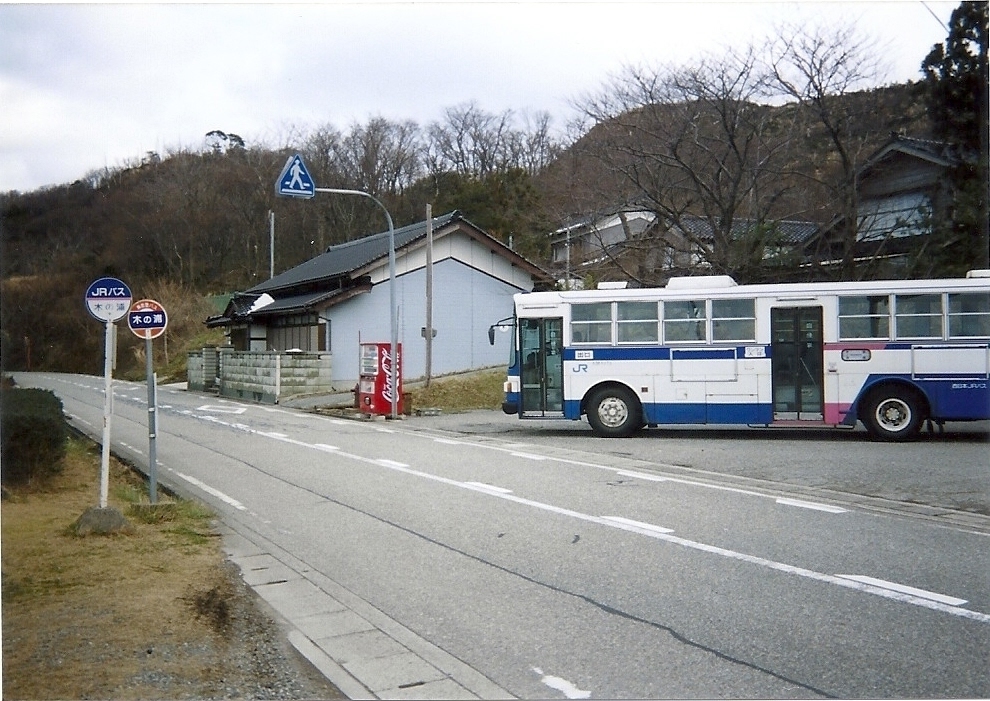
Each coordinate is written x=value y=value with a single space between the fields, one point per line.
x=797 y=353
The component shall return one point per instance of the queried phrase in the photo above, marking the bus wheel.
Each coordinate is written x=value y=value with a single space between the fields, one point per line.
x=614 y=412
x=893 y=414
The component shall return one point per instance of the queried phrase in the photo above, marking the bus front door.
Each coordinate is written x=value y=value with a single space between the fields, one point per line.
x=542 y=373
x=797 y=352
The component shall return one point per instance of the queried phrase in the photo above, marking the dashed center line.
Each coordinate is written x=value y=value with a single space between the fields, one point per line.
x=861 y=583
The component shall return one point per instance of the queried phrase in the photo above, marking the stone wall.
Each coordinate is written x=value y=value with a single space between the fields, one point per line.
x=195 y=379
x=261 y=376
x=203 y=369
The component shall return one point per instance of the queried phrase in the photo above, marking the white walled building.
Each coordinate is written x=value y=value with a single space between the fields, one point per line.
x=341 y=297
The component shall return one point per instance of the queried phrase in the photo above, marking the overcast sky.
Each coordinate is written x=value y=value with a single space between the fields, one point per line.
x=88 y=86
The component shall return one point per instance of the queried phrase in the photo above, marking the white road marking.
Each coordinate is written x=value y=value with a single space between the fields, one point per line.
x=385 y=462
x=488 y=487
x=657 y=532
x=568 y=689
x=627 y=524
x=76 y=417
x=893 y=586
x=889 y=590
x=447 y=441
x=131 y=447
x=215 y=492
x=780 y=500
x=221 y=409
x=658 y=478
x=811 y=505
x=326 y=448
x=528 y=456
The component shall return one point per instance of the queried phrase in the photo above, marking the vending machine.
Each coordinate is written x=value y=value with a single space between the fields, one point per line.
x=375 y=389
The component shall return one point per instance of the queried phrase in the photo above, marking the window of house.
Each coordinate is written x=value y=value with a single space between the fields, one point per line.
x=591 y=323
x=637 y=322
x=684 y=321
x=733 y=320
x=295 y=331
x=969 y=314
x=918 y=316
x=894 y=217
x=863 y=317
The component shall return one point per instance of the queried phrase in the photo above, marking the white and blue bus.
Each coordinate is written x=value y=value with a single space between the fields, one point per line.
x=892 y=354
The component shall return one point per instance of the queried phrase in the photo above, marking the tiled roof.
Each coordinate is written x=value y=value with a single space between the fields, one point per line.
x=791 y=232
x=345 y=258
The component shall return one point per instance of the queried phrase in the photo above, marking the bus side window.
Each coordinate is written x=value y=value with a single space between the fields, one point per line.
x=969 y=315
x=684 y=321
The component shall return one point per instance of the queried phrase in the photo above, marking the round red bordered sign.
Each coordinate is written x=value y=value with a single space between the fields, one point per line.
x=147 y=319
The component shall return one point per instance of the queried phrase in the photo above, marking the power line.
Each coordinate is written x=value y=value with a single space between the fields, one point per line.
x=925 y=5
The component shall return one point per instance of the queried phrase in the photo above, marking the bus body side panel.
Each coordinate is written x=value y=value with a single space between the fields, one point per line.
x=676 y=386
x=949 y=399
x=962 y=394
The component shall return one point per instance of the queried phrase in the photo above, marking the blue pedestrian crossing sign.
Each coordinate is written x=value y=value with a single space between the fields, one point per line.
x=295 y=180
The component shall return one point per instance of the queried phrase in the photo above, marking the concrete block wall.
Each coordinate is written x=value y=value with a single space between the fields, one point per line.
x=261 y=376
x=203 y=369
x=305 y=373
x=194 y=371
x=249 y=375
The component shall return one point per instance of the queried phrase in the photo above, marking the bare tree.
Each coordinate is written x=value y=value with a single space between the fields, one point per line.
x=469 y=141
x=382 y=157
x=821 y=68
x=693 y=144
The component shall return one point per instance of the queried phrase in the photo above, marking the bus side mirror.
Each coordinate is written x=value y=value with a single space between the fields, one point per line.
x=491 y=335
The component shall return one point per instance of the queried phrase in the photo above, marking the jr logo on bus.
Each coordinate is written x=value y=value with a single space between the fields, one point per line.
x=969 y=385
x=583 y=367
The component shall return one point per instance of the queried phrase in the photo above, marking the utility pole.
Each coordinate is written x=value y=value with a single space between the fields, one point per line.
x=428 y=331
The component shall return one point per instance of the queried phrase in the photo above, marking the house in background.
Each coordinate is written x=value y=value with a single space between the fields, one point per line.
x=901 y=189
x=900 y=186
x=341 y=298
x=641 y=245
x=578 y=245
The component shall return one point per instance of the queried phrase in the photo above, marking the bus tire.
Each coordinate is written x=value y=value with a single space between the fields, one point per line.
x=614 y=412
x=893 y=413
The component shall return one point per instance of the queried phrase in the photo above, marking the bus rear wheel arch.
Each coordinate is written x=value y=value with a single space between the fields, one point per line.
x=893 y=412
x=614 y=411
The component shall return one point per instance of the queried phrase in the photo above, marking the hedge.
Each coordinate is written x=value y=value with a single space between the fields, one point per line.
x=33 y=434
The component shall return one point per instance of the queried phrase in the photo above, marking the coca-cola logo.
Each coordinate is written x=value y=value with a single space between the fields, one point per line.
x=388 y=391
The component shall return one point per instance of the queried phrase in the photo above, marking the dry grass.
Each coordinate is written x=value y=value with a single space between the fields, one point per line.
x=482 y=390
x=143 y=615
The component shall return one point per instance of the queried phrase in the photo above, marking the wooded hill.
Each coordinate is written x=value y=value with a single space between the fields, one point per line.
x=179 y=226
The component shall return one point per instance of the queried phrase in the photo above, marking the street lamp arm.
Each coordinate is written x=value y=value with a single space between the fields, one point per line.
x=362 y=193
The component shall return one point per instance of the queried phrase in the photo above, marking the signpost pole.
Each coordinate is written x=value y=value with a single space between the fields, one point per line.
x=148 y=320
x=108 y=342
x=152 y=424
x=107 y=300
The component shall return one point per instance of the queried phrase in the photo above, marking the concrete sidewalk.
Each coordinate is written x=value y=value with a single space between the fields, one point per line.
x=360 y=649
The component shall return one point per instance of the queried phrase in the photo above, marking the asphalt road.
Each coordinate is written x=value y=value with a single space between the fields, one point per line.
x=679 y=563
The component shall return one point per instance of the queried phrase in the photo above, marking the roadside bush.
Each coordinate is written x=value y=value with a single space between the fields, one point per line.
x=33 y=435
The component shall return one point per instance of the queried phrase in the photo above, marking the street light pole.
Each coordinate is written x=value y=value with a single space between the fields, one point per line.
x=391 y=287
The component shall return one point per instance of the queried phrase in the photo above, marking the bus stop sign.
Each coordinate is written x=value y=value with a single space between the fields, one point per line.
x=108 y=299
x=147 y=319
